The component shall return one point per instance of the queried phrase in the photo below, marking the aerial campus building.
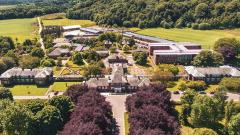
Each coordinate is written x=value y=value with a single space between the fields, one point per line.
x=40 y=77
x=173 y=53
x=211 y=74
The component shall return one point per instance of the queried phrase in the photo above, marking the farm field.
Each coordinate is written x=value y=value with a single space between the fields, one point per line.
x=19 y=28
x=60 y=20
x=28 y=90
x=206 y=38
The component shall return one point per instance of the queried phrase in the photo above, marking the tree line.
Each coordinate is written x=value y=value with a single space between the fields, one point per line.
x=199 y=14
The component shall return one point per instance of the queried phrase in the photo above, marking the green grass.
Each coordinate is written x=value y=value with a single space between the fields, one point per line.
x=126 y=123
x=19 y=28
x=62 y=86
x=60 y=20
x=28 y=90
x=206 y=38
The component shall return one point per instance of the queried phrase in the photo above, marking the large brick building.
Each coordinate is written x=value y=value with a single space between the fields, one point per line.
x=173 y=53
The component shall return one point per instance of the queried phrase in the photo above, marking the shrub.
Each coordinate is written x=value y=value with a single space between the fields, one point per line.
x=204 y=26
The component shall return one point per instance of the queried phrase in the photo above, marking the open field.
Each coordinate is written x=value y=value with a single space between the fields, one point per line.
x=19 y=28
x=206 y=38
x=60 y=20
x=28 y=90
x=62 y=86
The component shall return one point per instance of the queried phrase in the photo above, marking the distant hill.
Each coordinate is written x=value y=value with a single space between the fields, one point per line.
x=200 y=14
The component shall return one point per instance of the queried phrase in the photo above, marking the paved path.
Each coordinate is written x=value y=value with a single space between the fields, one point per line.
x=118 y=108
x=40 y=31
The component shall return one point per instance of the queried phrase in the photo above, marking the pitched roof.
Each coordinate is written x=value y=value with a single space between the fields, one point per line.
x=71 y=27
x=58 y=52
x=95 y=82
x=203 y=71
x=37 y=72
x=60 y=40
x=62 y=44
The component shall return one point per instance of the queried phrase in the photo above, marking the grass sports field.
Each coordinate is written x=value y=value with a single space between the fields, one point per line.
x=60 y=20
x=19 y=28
x=206 y=38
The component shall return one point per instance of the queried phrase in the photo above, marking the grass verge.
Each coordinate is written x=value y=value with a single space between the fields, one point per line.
x=127 y=126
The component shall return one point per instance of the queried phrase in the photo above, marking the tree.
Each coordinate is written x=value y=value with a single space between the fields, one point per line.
x=196 y=85
x=126 y=48
x=234 y=124
x=231 y=109
x=77 y=58
x=140 y=58
x=201 y=10
x=63 y=103
x=208 y=58
x=29 y=62
x=35 y=105
x=5 y=94
x=204 y=110
x=174 y=70
x=230 y=84
x=92 y=70
x=17 y=120
x=9 y=62
x=49 y=120
x=228 y=47
x=163 y=76
x=27 y=42
x=37 y=52
x=47 y=62
x=204 y=131
x=187 y=100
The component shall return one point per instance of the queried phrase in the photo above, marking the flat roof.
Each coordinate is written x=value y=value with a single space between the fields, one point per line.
x=153 y=39
x=71 y=27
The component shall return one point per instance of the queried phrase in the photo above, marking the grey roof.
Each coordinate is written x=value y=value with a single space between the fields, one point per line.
x=203 y=71
x=60 y=40
x=95 y=82
x=118 y=75
x=38 y=73
x=79 y=48
x=149 y=38
x=138 y=81
x=58 y=52
x=90 y=30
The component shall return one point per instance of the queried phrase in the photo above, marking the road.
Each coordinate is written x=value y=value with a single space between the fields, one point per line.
x=40 y=31
x=118 y=108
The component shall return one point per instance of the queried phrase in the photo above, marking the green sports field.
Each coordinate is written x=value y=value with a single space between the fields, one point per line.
x=60 y=20
x=19 y=28
x=206 y=38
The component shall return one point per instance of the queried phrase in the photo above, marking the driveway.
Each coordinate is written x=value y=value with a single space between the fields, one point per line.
x=118 y=108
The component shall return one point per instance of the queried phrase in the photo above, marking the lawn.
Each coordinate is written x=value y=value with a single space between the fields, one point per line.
x=60 y=20
x=28 y=90
x=206 y=38
x=62 y=86
x=19 y=28
x=126 y=123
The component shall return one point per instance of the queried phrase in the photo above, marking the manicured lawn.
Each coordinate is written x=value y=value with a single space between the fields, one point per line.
x=28 y=90
x=126 y=123
x=57 y=70
x=206 y=38
x=60 y=20
x=19 y=28
x=62 y=86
